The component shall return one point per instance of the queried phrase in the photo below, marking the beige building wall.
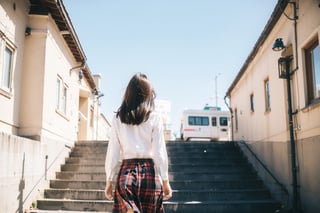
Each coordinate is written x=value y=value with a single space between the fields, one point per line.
x=267 y=132
x=104 y=128
x=12 y=26
x=35 y=133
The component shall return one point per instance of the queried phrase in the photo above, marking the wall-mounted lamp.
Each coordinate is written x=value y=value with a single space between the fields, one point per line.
x=278 y=45
x=94 y=91
x=284 y=67
x=80 y=75
x=27 y=31
x=100 y=95
x=81 y=67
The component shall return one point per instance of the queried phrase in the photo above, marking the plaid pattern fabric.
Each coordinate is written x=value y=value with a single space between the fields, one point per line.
x=138 y=188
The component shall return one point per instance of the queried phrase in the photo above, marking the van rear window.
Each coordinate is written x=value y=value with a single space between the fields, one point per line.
x=223 y=121
x=198 y=120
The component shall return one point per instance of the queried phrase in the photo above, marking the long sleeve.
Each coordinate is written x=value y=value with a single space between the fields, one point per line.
x=113 y=153
x=159 y=149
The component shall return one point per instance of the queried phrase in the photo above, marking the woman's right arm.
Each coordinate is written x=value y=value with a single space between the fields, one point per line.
x=161 y=157
x=113 y=153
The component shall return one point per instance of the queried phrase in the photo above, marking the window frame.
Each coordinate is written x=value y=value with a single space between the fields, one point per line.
x=214 y=121
x=267 y=95
x=236 y=119
x=223 y=121
x=6 y=71
x=198 y=121
x=311 y=73
x=252 y=102
x=62 y=91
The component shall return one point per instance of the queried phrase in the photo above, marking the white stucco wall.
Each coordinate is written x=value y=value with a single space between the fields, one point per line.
x=13 y=24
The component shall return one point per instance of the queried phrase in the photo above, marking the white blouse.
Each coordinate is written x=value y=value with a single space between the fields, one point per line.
x=137 y=141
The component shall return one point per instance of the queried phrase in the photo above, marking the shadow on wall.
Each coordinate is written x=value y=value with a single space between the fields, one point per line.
x=21 y=188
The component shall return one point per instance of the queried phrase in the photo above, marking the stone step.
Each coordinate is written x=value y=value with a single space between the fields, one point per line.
x=91 y=143
x=235 y=174
x=178 y=195
x=91 y=150
x=218 y=167
x=81 y=176
x=217 y=185
x=180 y=153
x=85 y=154
x=199 y=144
x=74 y=184
x=207 y=157
x=83 y=168
x=172 y=160
x=75 y=194
x=251 y=206
x=75 y=205
x=176 y=184
x=62 y=211
x=220 y=195
x=86 y=161
x=210 y=176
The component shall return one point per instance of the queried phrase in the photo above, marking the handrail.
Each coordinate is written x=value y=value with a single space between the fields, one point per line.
x=44 y=176
x=264 y=166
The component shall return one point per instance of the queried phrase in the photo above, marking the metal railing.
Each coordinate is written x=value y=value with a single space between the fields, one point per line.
x=265 y=168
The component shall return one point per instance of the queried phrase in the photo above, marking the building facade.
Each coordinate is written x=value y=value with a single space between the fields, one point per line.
x=48 y=97
x=259 y=100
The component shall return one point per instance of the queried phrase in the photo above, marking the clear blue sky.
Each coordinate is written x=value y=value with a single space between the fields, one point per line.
x=180 y=44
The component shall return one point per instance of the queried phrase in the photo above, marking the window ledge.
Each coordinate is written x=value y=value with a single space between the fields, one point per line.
x=267 y=112
x=62 y=114
x=6 y=93
x=311 y=106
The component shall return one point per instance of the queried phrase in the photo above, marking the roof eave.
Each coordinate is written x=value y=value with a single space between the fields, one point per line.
x=60 y=15
x=275 y=16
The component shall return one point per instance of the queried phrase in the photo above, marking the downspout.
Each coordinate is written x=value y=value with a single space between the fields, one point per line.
x=231 y=112
x=294 y=169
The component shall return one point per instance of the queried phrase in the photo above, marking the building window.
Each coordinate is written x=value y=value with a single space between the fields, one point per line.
x=6 y=64
x=61 y=96
x=312 y=59
x=236 y=119
x=58 y=93
x=91 y=116
x=64 y=99
x=267 y=95
x=252 y=103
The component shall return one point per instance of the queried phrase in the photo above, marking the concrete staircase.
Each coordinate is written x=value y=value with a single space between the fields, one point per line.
x=205 y=177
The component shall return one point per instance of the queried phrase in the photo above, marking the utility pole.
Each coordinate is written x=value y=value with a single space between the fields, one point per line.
x=216 y=87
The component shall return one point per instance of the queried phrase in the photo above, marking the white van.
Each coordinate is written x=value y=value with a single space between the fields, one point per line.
x=209 y=123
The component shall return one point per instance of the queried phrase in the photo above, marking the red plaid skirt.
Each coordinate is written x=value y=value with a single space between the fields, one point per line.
x=138 y=188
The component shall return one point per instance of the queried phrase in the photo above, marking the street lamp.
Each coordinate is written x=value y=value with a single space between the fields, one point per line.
x=216 y=87
x=98 y=96
x=284 y=72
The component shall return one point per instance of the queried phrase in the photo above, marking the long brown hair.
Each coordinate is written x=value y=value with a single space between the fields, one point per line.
x=138 y=101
